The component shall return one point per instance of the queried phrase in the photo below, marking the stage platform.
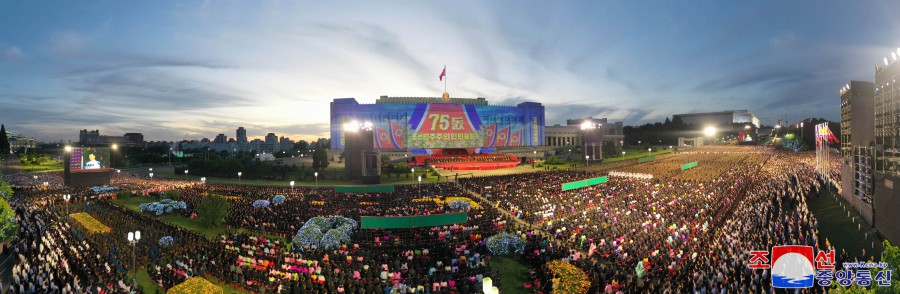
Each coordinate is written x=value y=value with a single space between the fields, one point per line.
x=475 y=165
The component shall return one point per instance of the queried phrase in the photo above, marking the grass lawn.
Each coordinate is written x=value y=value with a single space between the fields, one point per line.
x=384 y=180
x=46 y=166
x=513 y=273
x=187 y=223
x=146 y=284
x=840 y=229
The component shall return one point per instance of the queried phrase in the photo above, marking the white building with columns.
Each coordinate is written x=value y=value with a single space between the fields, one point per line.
x=571 y=134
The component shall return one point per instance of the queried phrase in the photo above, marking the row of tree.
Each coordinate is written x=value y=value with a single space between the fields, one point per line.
x=4 y=143
x=660 y=133
x=250 y=168
x=9 y=227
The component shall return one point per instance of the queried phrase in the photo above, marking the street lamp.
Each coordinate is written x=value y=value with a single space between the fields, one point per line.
x=203 y=179
x=420 y=186
x=710 y=131
x=185 y=174
x=133 y=238
x=623 y=155
x=586 y=160
x=67 y=197
x=317 y=180
x=239 y=178
x=151 y=177
x=115 y=147
x=648 y=151
x=292 y=187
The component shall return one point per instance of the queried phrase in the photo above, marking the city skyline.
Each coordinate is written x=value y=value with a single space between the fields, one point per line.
x=175 y=70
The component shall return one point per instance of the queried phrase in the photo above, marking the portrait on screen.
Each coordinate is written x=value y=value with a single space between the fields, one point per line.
x=90 y=161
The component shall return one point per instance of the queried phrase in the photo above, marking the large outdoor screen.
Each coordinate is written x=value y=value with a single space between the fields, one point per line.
x=443 y=125
x=83 y=159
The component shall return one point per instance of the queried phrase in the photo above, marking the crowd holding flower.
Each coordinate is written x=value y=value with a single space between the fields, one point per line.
x=675 y=232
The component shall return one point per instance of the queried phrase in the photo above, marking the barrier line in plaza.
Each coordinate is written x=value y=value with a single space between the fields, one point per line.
x=364 y=189
x=646 y=159
x=689 y=165
x=584 y=183
x=401 y=222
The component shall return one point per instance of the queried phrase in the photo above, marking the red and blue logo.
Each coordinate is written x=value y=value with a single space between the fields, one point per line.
x=792 y=267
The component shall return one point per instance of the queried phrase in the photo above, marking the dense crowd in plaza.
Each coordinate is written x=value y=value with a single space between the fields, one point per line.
x=688 y=231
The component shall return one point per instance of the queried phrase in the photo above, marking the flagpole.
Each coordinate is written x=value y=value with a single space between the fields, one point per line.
x=445 y=78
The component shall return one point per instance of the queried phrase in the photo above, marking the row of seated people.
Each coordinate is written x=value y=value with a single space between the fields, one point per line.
x=286 y=218
x=55 y=257
x=690 y=235
x=470 y=158
x=538 y=197
x=657 y=226
x=670 y=227
x=449 y=261
x=441 y=259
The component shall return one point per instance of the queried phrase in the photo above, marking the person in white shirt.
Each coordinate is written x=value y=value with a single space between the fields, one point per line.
x=93 y=163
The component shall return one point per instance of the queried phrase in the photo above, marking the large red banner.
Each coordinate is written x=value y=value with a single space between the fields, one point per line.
x=502 y=137
x=490 y=133
x=397 y=134
x=383 y=138
x=515 y=139
x=444 y=126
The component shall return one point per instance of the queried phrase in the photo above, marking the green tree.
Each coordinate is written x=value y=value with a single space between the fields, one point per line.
x=9 y=227
x=303 y=146
x=317 y=163
x=320 y=159
x=386 y=163
x=123 y=194
x=6 y=190
x=4 y=143
x=891 y=256
x=793 y=142
x=212 y=211
x=610 y=150
x=172 y=194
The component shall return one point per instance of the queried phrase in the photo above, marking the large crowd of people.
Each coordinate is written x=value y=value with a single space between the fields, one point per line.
x=686 y=230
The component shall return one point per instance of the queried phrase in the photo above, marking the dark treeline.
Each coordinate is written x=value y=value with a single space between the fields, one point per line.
x=667 y=132
x=250 y=168
x=660 y=133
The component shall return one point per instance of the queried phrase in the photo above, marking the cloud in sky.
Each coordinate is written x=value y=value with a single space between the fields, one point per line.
x=185 y=70
x=10 y=54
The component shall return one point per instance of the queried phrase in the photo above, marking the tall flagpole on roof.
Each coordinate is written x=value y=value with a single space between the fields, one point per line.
x=445 y=96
